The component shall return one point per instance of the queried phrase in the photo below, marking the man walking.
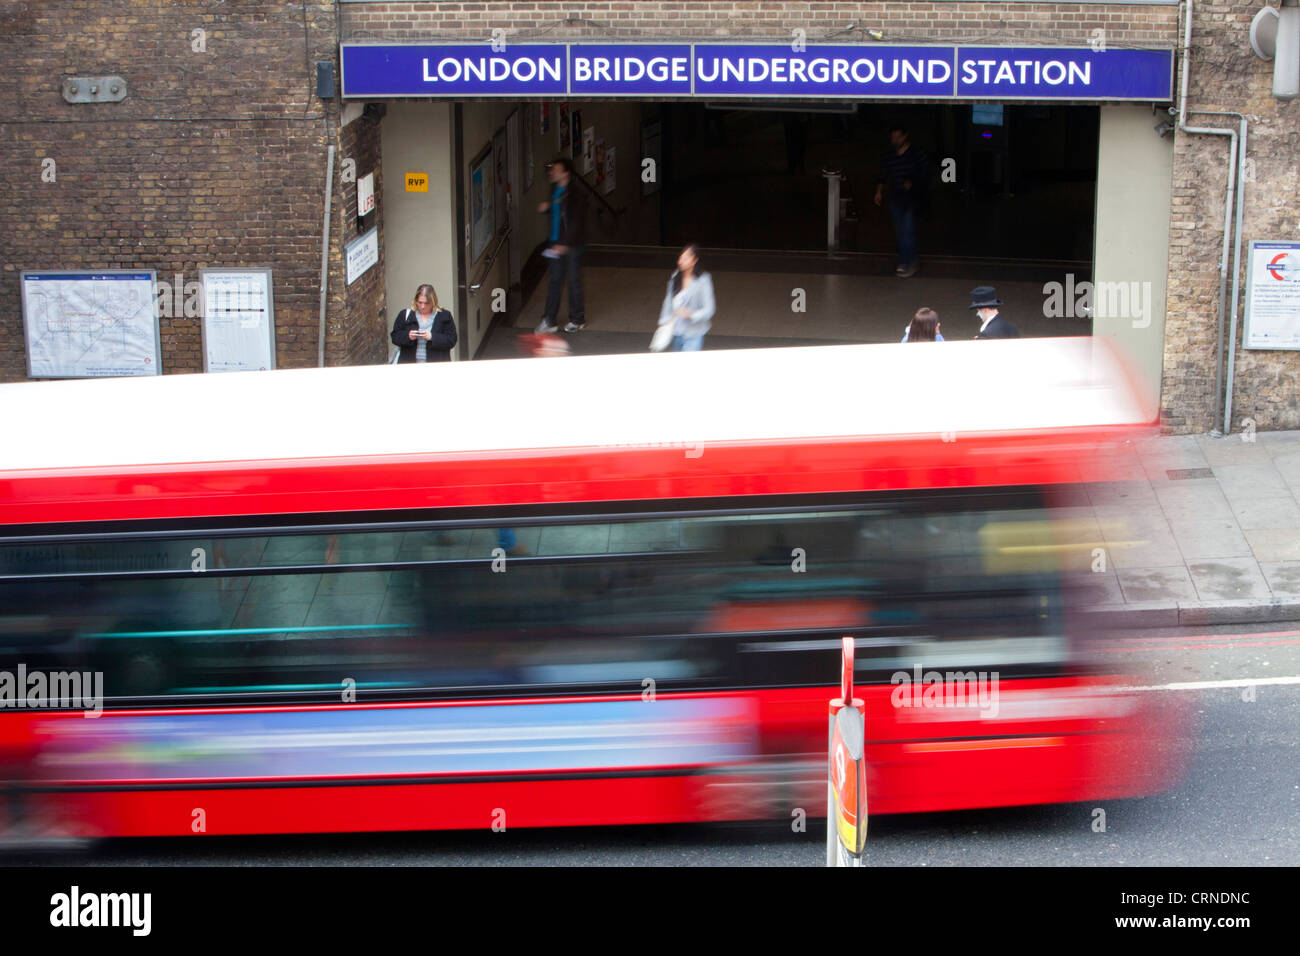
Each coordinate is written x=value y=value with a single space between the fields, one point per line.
x=568 y=236
x=984 y=300
x=905 y=170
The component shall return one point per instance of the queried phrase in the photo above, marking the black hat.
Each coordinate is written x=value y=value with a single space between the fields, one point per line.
x=984 y=297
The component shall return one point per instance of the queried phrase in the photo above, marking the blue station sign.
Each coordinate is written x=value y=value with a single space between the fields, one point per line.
x=717 y=70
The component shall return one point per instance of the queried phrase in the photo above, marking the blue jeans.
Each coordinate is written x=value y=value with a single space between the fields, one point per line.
x=687 y=343
x=506 y=540
x=570 y=265
x=904 y=216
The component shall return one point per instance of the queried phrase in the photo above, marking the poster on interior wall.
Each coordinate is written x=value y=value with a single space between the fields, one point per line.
x=575 y=140
x=600 y=163
x=588 y=150
x=526 y=124
x=651 y=145
x=481 y=216
x=545 y=114
x=609 y=171
x=500 y=180
x=564 y=130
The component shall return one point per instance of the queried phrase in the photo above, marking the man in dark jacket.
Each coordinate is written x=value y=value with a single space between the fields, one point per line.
x=984 y=300
x=567 y=236
x=906 y=171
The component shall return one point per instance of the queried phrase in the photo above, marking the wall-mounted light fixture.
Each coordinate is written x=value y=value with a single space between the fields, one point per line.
x=1275 y=35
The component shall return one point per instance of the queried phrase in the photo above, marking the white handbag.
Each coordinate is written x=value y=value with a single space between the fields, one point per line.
x=663 y=337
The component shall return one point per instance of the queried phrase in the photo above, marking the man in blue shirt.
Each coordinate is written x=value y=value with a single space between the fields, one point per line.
x=567 y=238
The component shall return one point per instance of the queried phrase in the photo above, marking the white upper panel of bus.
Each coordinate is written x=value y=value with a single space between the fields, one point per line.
x=572 y=402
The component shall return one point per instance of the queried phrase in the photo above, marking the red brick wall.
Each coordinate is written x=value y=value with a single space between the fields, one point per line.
x=932 y=21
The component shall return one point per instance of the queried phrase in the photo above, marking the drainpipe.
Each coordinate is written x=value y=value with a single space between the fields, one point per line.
x=325 y=258
x=1236 y=159
x=1236 y=279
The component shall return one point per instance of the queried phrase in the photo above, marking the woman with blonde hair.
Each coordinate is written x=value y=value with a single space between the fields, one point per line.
x=426 y=332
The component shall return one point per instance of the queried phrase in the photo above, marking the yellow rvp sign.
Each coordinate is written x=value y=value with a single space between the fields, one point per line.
x=417 y=182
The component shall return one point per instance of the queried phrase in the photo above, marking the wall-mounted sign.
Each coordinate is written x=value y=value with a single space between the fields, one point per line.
x=482 y=218
x=362 y=253
x=1272 y=296
x=90 y=324
x=417 y=182
x=366 y=194
x=715 y=70
x=238 y=320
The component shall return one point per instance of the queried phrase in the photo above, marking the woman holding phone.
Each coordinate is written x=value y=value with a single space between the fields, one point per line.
x=689 y=304
x=425 y=333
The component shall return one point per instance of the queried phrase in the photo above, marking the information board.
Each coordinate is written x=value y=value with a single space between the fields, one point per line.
x=90 y=324
x=1272 y=295
x=238 y=320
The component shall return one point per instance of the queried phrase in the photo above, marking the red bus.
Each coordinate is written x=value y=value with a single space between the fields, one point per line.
x=560 y=592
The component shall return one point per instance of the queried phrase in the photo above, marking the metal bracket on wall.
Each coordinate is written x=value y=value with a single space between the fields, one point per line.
x=94 y=89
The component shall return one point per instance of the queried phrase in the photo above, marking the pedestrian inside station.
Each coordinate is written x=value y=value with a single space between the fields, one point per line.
x=780 y=197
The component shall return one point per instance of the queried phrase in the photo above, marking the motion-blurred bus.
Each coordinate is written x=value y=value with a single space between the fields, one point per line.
x=561 y=591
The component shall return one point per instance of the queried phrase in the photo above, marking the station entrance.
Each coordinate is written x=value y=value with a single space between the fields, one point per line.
x=1011 y=184
x=1017 y=196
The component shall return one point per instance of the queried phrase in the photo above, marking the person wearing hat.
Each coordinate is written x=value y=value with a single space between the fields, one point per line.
x=984 y=300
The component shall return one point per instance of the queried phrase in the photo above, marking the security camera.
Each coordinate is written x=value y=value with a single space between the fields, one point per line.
x=1164 y=128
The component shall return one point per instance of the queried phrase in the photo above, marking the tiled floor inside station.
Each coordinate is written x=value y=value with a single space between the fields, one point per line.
x=760 y=308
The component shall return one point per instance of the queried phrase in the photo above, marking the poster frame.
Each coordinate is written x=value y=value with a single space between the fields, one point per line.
x=270 y=308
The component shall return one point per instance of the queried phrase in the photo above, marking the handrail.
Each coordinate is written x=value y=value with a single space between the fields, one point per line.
x=616 y=212
x=502 y=236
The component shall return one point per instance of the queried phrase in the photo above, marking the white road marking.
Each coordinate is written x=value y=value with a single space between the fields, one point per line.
x=1215 y=684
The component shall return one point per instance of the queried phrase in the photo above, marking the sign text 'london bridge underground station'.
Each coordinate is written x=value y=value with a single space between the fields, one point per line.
x=752 y=70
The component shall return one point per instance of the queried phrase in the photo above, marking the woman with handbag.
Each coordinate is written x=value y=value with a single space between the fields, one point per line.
x=425 y=333
x=688 y=307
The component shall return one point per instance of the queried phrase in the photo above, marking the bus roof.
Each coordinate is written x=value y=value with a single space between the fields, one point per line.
x=591 y=402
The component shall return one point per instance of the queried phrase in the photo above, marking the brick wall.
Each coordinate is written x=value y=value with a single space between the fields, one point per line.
x=933 y=21
x=1225 y=75
x=215 y=158
x=356 y=330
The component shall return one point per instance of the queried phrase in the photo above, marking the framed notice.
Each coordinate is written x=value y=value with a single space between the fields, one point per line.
x=526 y=124
x=575 y=144
x=91 y=324
x=361 y=254
x=610 y=183
x=500 y=178
x=1272 y=296
x=482 y=221
x=588 y=150
x=238 y=320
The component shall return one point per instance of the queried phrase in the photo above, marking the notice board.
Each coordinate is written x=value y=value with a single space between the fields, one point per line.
x=90 y=324
x=1272 y=295
x=238 y=320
